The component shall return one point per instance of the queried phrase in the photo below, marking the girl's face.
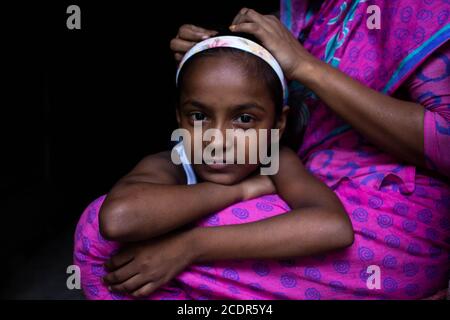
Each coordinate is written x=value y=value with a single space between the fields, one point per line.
x=219 y=93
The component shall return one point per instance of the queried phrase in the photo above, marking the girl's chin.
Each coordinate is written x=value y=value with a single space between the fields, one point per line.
x=227 y=175
x=220 y=177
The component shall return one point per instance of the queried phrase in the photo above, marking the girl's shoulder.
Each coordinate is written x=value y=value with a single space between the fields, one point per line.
x=159 y=168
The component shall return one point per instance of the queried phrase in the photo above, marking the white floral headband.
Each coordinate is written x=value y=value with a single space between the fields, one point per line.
x=241 y=44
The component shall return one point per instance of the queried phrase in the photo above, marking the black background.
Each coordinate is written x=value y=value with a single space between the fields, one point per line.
x=79 y=109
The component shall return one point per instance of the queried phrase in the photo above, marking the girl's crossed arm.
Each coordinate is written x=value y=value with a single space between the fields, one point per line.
x=317 y=223
x=153 y=199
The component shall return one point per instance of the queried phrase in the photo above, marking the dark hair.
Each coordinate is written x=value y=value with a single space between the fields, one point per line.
x=255 y=66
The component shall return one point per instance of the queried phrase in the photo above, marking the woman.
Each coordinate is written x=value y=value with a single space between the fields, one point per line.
x=377 y=134
x=379 y=128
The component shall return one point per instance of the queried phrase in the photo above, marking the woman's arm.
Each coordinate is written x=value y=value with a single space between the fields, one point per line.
x=317 y=222
x=393 y=125
x=153 y=200
x=430 y=86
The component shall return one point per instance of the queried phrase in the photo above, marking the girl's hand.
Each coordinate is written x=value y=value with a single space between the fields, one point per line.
x=188 y=35
x=256 y=186
x=144 y=267
x=290 y=54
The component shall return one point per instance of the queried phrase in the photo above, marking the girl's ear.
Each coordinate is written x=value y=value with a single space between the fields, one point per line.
x=177 y=112
x=282 y=120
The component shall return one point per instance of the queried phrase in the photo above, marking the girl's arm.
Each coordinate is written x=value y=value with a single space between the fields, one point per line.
x=317 y=223
x=153 y=200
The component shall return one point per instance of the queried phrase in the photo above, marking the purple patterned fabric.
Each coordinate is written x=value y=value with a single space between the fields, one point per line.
x=430 y=86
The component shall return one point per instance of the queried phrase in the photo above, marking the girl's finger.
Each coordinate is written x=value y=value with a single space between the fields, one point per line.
x=120 y=275
x=129 y=285
x=146 y=290
x=179 y=45
x=119 y=260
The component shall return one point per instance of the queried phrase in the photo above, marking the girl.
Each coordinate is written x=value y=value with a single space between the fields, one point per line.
x=166 y=215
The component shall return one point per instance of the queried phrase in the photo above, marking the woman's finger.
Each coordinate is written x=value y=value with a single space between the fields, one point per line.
x=178 y=56
x=120 y=275
x=261 y=21
x=251 y=15
x=179 y=45
x=129 y=285
x=238 y=18
x=202 y=30
x=194 y=33
x=272 y=20
x=249 y=27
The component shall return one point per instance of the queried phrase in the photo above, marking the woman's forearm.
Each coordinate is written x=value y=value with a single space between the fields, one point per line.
x=393 y=125
x=139 y=211
x=298 y=233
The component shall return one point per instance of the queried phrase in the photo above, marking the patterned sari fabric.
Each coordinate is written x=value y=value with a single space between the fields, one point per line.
x=400 y=213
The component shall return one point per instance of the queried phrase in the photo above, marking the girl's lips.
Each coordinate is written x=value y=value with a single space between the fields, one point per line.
x=217 y=165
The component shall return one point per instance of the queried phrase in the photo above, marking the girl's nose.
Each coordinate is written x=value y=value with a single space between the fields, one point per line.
x=220 y=141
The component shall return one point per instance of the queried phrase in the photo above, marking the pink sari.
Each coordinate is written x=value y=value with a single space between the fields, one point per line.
x=400 y=214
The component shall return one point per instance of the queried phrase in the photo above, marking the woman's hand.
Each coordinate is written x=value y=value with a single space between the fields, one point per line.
x=144 y=267
x=188 y=35
x=290 y=54
x=256 y=186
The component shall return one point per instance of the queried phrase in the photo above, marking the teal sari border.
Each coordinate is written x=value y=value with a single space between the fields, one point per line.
x=417 y=56
x=287 y=14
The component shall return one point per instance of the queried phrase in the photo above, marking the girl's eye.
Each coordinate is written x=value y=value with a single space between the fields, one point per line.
x=197 y=116
x=245 y=118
